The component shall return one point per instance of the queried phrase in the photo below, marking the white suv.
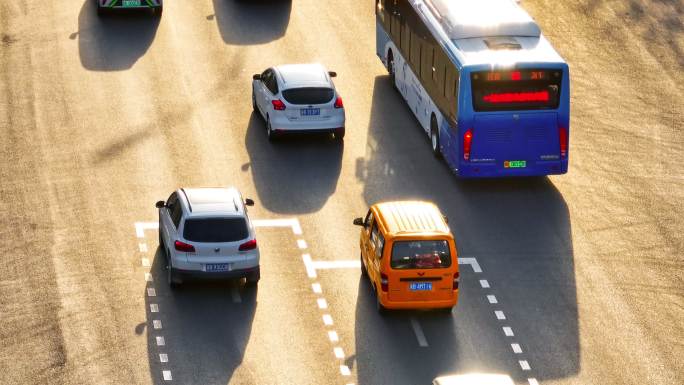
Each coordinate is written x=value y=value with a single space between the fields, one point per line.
x=206 y=233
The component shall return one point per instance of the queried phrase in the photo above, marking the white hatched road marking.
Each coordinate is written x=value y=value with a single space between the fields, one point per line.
x=151 y=292
x=154 y=308
x=167 y=375
x=322 y=303
x=339 y=353
x=516 y=348
x=160 y=341
x=420 y=336
x=140 y=228
x=484 y=283
x=301 y=243
x=492 y=299
x=148 y=277
x=157 y=324
x=500 y=315
x=316 y=287
x=508 y=331
x=532 y=381
x=332 y=335
x=327 y=319
x=344 y=369
x=524 y=365
x=142 y=247
x=163 y=357
x=145 y=262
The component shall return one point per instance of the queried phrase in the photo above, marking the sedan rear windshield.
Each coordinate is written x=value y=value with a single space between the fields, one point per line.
x=308 y=95
x=215 y=229
x=420 y=255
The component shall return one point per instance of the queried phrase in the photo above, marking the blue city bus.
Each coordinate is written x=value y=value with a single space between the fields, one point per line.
x=487 y=87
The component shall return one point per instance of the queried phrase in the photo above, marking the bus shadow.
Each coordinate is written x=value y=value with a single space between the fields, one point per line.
x=250 y=22
x=205 y=332
x=295 y=174
x=113 y=43
x=518 y=229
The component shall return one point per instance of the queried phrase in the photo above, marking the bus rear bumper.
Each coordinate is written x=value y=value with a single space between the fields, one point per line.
x=497 y=170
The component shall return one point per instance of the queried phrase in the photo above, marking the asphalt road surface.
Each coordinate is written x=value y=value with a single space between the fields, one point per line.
x=573 y=279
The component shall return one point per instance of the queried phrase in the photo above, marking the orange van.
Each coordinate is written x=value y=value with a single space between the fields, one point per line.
x=409 y=256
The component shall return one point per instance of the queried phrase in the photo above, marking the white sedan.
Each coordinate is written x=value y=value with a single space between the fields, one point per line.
x=298 y=98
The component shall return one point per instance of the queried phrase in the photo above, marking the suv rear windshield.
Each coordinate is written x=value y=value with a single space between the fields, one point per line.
x=215 y=229
x=308 y=95
x=420 y=255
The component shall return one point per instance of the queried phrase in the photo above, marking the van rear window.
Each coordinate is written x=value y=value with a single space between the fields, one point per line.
x=215 y=230
x=308 y=95
x=420 y=255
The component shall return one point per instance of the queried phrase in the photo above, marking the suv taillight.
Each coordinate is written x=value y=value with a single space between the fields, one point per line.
x=249 y=245
x=456 y=279
x=339 y=103
x=563 y=139
x=278 y=105
x=384 y=282
x=184 y=247
x=467 y=144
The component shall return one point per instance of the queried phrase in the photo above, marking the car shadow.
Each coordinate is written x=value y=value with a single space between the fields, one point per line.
x=113 y=42
x=251 y=22
x=295 y=174
x=205 y=331
x=519 y=230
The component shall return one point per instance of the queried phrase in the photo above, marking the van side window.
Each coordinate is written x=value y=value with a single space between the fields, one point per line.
x=374 y=234
x=379 y=246
x=368 y=220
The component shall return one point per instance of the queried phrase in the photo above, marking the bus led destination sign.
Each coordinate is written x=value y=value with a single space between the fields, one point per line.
x=509 y=76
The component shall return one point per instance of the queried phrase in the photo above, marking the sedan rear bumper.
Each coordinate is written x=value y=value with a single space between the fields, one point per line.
x=253 y=273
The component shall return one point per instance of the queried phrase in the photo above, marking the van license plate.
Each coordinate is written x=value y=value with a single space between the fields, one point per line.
x=515 y=163
x=217 y=267
x=420 y=286
x=310 y=111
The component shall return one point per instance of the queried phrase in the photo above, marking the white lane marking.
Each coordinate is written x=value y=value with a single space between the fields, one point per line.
x=145 y=262
x=156 y=324
x=154 y=308
x=327 y=319
x=472 y=262
x=316 y=288
x=140 y=228
x=492 y=299
x=484 y=283
x=532 y=381
x=516 y=348
x=344 y=369
x=500 y=315
x=235 y=294
x=339 y=353
x=332 y=335
x=163 y=357
x=151 y=292
x=301 y=243
x=310 y=270
x=289 y=222
x=160 y=341
x=524 y=365
x=322 y=265
x=508 y=331
x=167 y=375
x=322 y=303
x=142 y=247
x=422 y=342
x=148 y=277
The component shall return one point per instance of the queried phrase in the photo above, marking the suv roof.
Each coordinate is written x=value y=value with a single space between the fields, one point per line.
x=411 y=217
x=212 y=201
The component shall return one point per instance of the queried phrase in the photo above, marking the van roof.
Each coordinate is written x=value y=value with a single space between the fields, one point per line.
x=411 y=217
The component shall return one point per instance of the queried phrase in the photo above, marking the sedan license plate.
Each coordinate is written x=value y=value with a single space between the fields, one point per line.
x=217 y=267
x=131 y=3
x=310 y=111
x=515 y=164
x=420 y=286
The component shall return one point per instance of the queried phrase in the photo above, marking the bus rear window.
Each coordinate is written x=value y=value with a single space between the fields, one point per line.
x=420 y=255
x=516 y=90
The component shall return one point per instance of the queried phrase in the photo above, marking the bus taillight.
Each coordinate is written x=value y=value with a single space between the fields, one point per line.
x=563 y=138
x=467 y=142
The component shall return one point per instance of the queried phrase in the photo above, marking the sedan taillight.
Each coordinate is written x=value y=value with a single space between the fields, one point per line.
x=184 y=247
x=278 y=105
x=249 y=245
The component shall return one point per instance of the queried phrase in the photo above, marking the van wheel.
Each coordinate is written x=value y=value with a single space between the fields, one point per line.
x=364 y=271
x=378 y=305
x=434 y=138
x=447 y=311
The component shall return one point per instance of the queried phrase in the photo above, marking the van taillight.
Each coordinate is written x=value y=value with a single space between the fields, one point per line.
x=467 y=143
x=184 y=247
x=563 y=138
x=384 y=282
x=456 y=279
x=249 y=245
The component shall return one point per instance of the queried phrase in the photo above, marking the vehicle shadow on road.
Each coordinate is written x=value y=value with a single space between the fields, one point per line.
x=205 y=330
x=250 y=22
x=518 y=229
x=295 y=174
x=113 y=42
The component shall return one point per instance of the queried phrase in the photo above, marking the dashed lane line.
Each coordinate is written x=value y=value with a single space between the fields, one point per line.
x=418 y=331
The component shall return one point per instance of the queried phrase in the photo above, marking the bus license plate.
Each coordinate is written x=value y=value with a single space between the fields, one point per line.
x=217 y=267
x=131 y=3
x=420 y=286
x=310 y=111
x=515 y=164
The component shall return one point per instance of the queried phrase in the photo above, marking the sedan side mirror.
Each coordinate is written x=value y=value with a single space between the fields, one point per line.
x=160 y=204
x=332 y=74
x=256 y=77
x=249 y=202
x=359 y=222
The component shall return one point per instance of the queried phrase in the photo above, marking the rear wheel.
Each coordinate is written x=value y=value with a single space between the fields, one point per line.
x=157 y=12
x=101 y=11
x=434 y=138
x=390 y=68
x=171 y=278
x=339 y=134
x=272 y=136
x=254 y=105
x=253 y=279
x=364 y=271
x=382 y=310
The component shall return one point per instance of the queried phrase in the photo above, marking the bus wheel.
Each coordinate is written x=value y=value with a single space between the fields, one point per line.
x=390 y=68
x=434 y=138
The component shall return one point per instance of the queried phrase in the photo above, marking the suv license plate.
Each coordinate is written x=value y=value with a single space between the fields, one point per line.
x=420 y=286
x=310 y=111
x=216 y=267
x=131 y=3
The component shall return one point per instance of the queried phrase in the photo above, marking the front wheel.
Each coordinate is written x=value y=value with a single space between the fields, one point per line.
x=157 y=12
x=364 y=271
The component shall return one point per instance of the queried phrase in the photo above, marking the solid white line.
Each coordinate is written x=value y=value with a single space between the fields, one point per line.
x=332 y=335
x=316 y=288
x=235 y=294
x=339 y=353
x=291 y=222
x=148 y=277
x=484 y=283
x=352 y=264
x=157 y=324
x=492 y=299
x=327 y=319
x=154 y=308
x=524 y=365
x=167 y=375
x=163 y=357
x=532 y=381
x=472 y=262
x=151 y=292
x=500 y=314
x=422 y=342
x=516 y=348
x=322 y=303
x=508 y=331
x=310 y=270
x=344 y=369
x=160 y=341
x=142 y=247
x=301 y=243
x=140 y=228
x=296 y=228
x=145 y=262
